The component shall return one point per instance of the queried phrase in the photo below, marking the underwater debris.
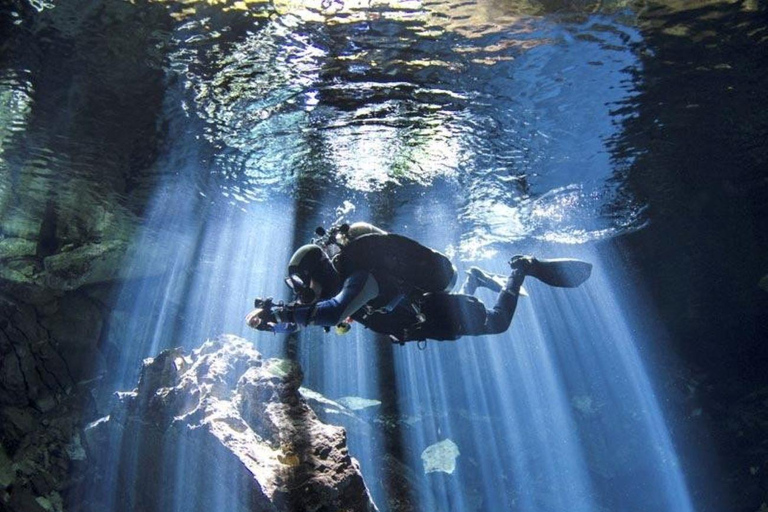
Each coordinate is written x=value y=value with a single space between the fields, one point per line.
x=357 y=403
x=440 y=457
x=586 y=405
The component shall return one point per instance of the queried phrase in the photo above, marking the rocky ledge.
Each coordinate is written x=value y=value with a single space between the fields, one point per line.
x=219 y=429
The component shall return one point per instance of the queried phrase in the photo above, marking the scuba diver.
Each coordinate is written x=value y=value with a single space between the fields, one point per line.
x=393 y=285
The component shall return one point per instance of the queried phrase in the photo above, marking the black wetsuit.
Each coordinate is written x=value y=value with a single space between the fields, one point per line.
x=446 y=316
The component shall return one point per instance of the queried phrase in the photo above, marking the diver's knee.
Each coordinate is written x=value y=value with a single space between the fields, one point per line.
x=497 y=323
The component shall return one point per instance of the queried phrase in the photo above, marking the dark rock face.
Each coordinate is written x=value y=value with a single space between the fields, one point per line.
x=47 y=459
x=45 y=356
x=32 y=370
x=399 y=484
x=219 y=427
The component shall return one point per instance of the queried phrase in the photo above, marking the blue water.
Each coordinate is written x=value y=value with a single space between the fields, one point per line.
x=557 y=414
x=480 y=130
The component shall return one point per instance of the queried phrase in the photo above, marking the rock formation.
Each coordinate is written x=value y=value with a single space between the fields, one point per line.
x=40 y=411
x=220 y=428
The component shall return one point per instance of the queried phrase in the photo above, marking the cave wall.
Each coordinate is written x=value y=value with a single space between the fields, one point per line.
x=76 y=159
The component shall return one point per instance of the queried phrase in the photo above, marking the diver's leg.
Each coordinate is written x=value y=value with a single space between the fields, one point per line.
x=499 y=318
x=478 y=278
x=469 y=286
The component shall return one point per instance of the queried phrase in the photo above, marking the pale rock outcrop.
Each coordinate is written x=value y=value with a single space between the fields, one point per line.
x=221 y=428
x=440 y=456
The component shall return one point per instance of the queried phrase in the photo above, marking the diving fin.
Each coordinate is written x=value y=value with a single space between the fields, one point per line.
x=560 y=272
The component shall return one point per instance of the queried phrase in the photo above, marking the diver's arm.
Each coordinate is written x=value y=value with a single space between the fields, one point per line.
x=358 y=289
x=266 y=319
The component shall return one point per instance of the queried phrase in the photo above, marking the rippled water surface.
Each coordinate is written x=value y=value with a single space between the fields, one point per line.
x=504 y=108
x=515 y=111
x=507 y=110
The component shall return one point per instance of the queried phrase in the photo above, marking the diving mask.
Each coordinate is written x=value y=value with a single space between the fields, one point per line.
x=301 y=287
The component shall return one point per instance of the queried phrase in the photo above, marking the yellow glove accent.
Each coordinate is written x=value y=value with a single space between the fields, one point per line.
x=343 y=328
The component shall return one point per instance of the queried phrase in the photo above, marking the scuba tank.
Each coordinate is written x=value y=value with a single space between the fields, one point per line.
x=363 y=246
x=333 y=240
x=404 y=269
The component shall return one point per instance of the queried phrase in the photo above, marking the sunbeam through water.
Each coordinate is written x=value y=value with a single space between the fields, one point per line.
x=158 y=176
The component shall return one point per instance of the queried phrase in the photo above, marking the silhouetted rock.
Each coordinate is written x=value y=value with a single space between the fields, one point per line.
x=41 y=456
x=32 y=371
x=220 y=429
x=763 y=283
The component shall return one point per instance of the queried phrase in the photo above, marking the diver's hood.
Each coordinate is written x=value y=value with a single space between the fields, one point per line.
x=307 y=263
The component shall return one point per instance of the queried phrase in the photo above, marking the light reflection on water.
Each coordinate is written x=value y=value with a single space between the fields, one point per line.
x=510 y=105
x=512 y=112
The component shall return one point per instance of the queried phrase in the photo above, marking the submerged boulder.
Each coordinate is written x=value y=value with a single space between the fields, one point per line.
x=440 y=456
x=220 y=429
